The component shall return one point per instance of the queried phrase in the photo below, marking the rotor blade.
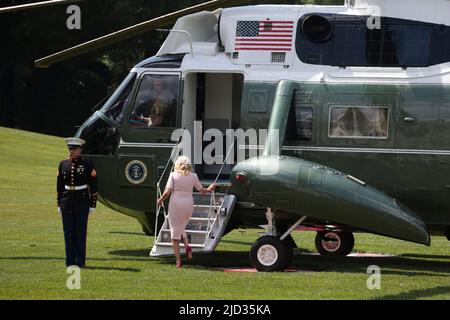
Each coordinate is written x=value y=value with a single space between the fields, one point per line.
x=131 y=32
x=36 y=5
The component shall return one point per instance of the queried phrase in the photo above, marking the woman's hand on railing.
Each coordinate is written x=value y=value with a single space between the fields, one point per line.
x=211 y=187
x=164 y=196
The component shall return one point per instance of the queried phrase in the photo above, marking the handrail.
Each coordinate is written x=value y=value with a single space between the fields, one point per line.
x=213 y=198
x=167 y=163
x=225 y=160
x=208 y=228
x=159 y=193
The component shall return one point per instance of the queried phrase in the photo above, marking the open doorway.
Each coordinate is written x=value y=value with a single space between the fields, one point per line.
x=215 y=100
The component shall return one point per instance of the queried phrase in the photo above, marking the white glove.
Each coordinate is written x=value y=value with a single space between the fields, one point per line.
x=91 y=210
x=59 y=210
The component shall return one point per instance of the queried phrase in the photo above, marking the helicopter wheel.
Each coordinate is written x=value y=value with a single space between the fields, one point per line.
x=331 y=243
x=269 y=253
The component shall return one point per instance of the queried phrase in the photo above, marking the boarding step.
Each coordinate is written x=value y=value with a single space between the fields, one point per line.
x=219 y=183
x=205 y=227
x=167 y=244
x=194 y=238
x=205 y=199
x=205 y=211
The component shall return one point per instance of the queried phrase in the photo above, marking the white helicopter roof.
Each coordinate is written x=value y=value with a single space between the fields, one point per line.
x=199 y=32
x=200 y=35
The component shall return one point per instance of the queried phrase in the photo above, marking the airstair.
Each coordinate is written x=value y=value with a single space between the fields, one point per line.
x=206 y=226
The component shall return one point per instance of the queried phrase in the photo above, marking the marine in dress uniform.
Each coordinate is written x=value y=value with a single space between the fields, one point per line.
x=77 y=197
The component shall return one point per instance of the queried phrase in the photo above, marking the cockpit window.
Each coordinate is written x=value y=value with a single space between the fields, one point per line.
x=359 y=122
x=101 y=137
x=156 y=101
x=114 y=107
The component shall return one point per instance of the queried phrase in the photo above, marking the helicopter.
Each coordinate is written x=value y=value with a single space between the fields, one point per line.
x=354 y=100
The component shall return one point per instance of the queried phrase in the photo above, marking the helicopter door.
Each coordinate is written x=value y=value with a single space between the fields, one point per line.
x=217 y=105
x=145 y=144
x=420 y=132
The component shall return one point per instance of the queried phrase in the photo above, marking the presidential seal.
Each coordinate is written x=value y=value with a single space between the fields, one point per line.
x=136 y=171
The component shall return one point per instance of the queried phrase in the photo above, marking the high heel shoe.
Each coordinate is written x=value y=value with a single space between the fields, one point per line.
x=179 y=265
x=188 y=253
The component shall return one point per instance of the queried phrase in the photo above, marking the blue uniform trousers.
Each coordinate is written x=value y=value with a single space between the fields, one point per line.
x=75 y=232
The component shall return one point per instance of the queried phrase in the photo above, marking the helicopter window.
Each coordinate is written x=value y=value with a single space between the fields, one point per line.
x=392 y=45
x=304 y=120
x=258 y=100
x=156 y=101
x=114 y=107
x=100 y=136
x=299 y=126
x=359 y=122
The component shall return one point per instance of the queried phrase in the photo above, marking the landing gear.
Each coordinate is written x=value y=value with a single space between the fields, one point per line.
x=273 y=252
x=270 y=253
x=335 y=243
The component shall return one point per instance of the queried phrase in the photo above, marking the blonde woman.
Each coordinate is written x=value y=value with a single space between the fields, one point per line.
x=179 y=187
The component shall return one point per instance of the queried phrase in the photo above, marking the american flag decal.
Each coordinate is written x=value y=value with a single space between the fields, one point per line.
x=264 y=35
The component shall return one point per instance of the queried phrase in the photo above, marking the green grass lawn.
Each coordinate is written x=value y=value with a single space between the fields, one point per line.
x=32 y=251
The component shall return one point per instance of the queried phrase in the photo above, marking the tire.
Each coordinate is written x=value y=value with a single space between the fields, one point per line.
x=269 y=253
x=342 y=246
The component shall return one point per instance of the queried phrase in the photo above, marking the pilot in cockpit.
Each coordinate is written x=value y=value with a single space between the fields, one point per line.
x=159 y=105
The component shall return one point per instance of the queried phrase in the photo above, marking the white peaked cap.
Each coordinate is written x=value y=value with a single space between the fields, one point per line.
x=74 y=141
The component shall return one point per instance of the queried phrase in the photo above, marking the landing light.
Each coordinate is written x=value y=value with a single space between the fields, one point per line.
x=240 y=177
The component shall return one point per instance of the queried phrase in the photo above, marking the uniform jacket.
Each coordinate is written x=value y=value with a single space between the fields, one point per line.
x=72 y=173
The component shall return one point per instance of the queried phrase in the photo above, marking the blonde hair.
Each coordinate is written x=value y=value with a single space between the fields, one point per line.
x=183 y=165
